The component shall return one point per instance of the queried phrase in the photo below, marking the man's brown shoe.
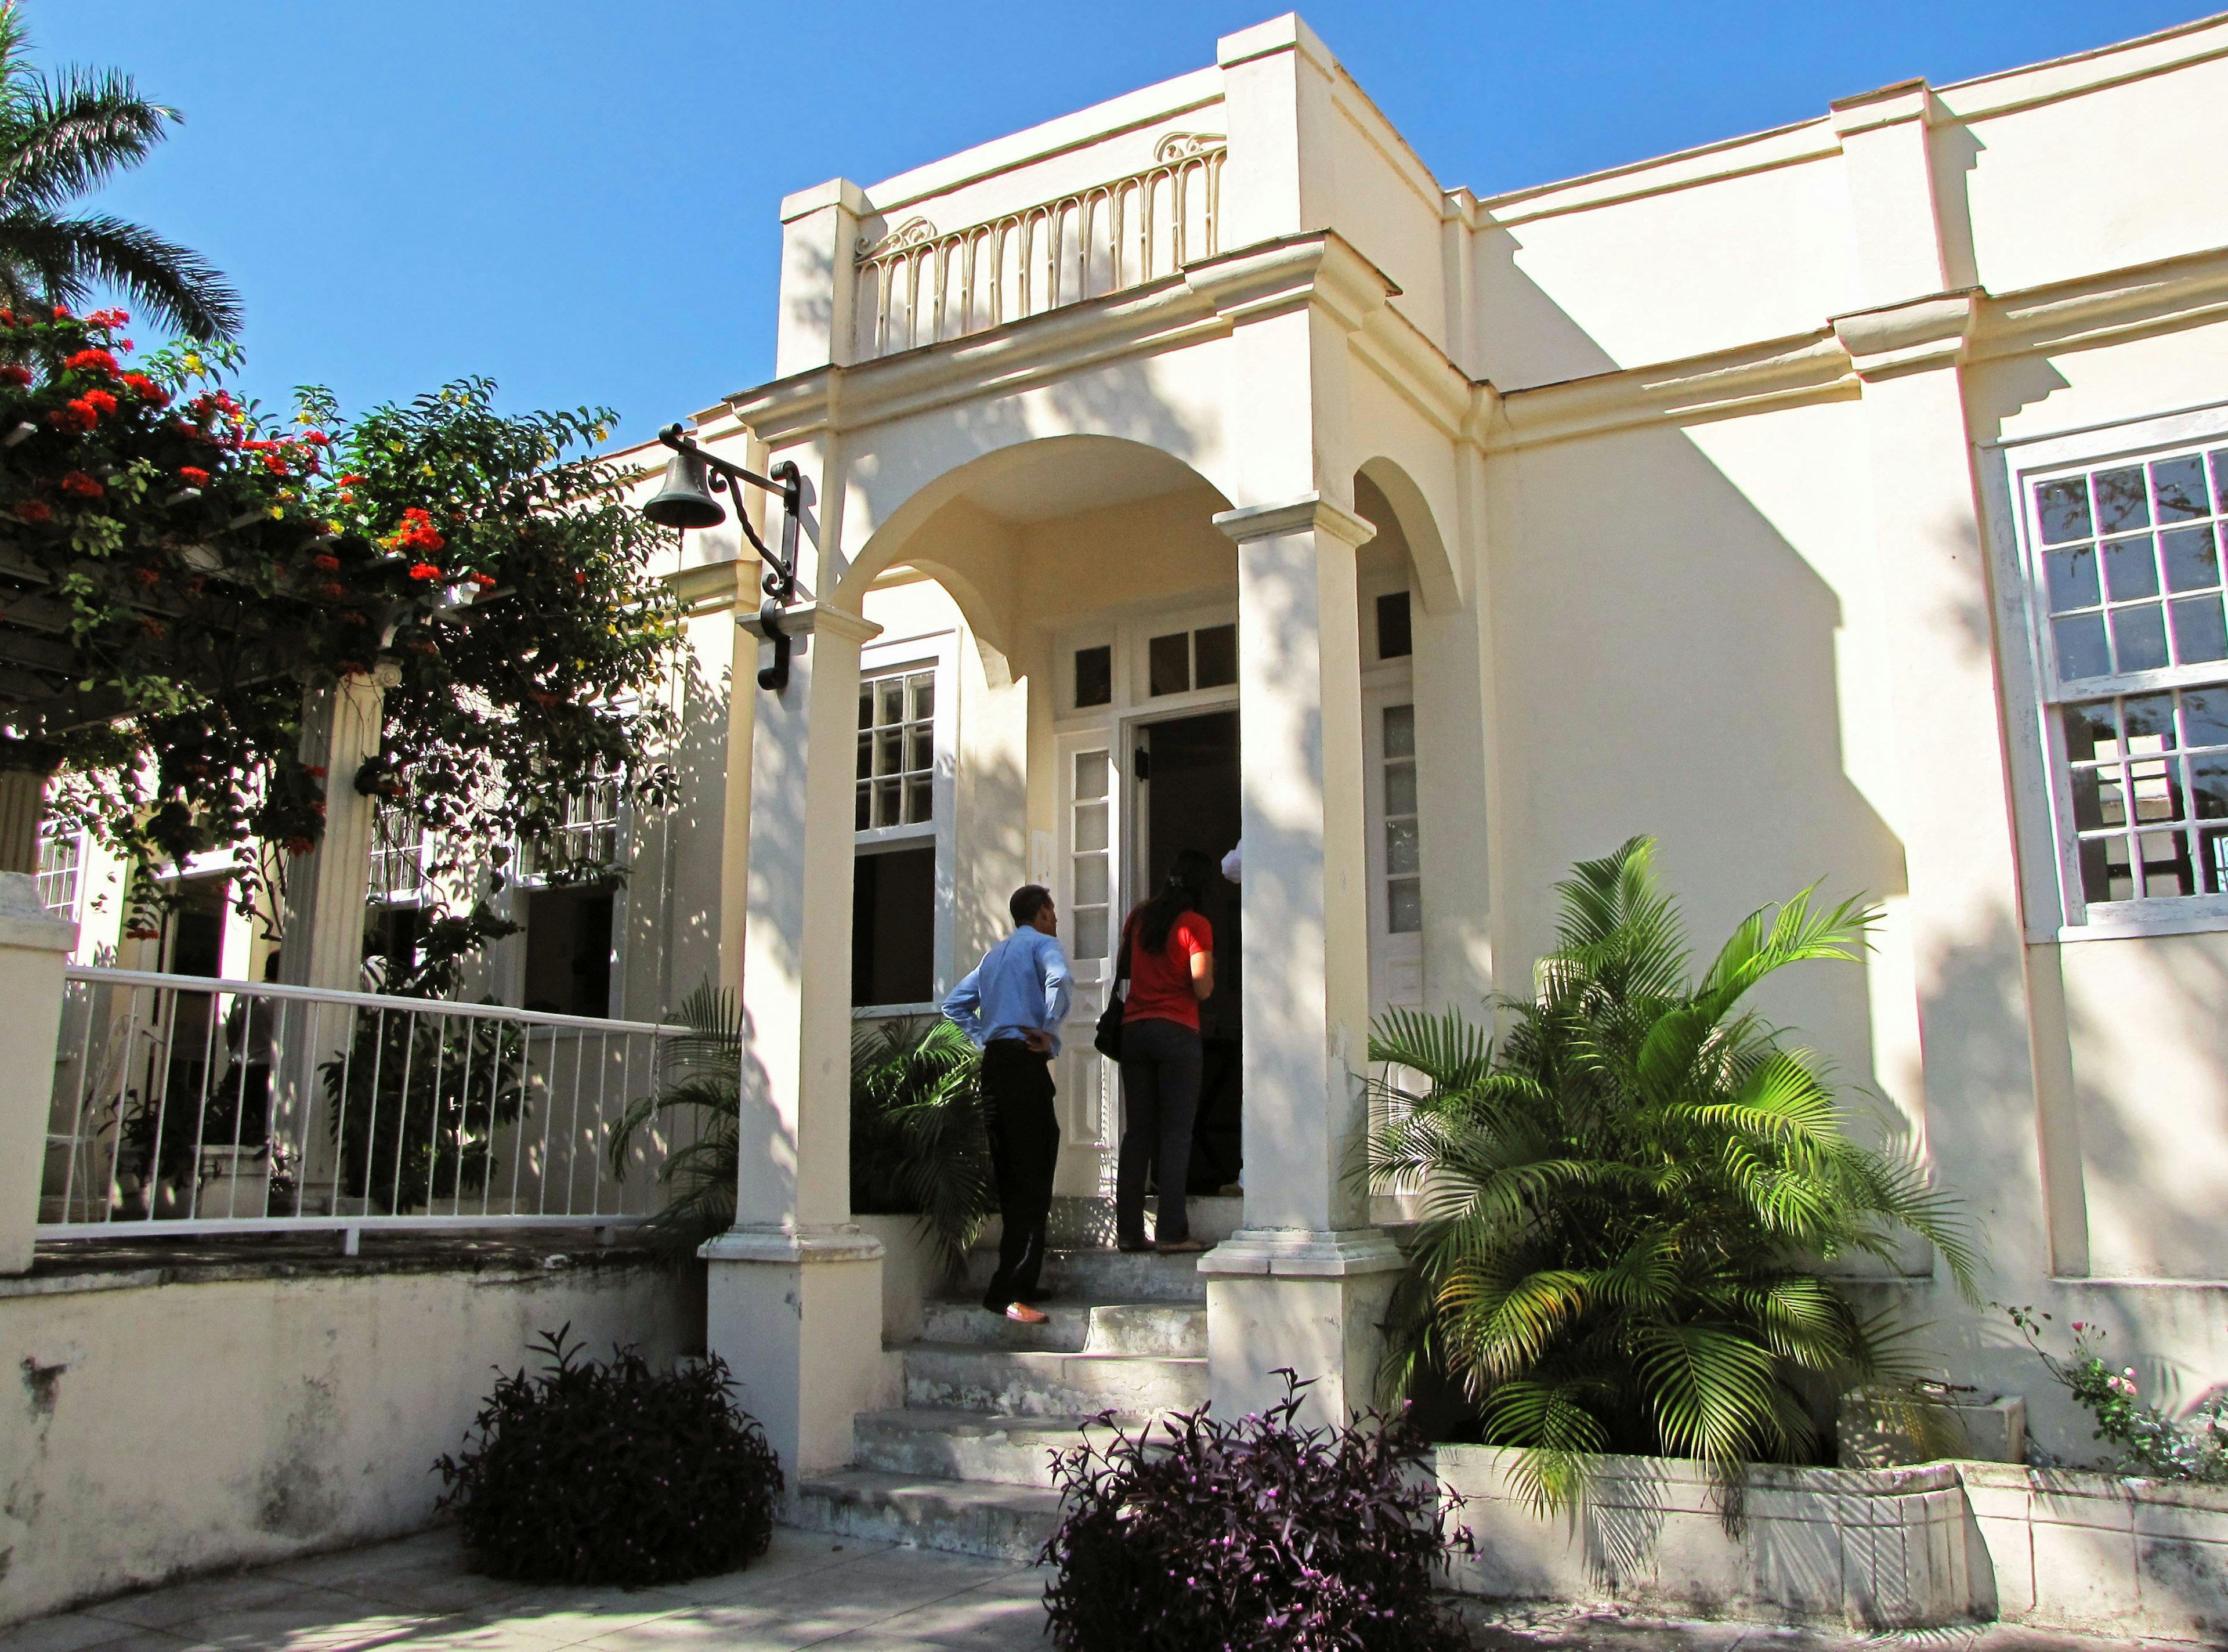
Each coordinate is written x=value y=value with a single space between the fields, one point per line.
x=1022 y=1313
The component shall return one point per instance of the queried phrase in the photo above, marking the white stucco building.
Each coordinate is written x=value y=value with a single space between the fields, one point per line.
x=1839 y=503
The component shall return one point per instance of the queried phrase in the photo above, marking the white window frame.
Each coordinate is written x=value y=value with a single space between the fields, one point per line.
x=2056 y=907
x=936 y=652
x=520 y=883
x=72 y=875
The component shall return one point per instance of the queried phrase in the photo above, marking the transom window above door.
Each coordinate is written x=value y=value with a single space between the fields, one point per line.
x=1179 y=661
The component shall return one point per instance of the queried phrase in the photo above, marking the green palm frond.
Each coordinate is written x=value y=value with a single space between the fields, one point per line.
x=1628 y=1198
x=62 y=138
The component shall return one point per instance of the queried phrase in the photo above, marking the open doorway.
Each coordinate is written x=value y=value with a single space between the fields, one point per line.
x=1188 y=775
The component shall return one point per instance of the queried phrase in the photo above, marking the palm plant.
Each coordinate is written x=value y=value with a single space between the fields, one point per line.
x=60 y=138
x=917 y=1142
x=1629 y=1203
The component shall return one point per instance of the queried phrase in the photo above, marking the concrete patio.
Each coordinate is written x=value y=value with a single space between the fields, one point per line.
x=844 y=1595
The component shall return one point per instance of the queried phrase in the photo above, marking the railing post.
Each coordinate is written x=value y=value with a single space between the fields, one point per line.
x=34 y=945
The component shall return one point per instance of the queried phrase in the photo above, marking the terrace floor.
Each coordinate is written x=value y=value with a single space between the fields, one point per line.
x=416 y=1595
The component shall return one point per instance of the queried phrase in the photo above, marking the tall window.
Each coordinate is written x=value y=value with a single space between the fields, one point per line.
x=61 y=869
x=1404 y=868
x=2124 y=561
x=893 y=868
x=570 y=904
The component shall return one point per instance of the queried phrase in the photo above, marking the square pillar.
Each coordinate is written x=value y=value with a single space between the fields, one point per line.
x=1305 y=1281
x=795 y=1287
x=35 y=944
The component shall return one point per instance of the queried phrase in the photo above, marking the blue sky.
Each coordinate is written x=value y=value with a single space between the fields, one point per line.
x=579 y=201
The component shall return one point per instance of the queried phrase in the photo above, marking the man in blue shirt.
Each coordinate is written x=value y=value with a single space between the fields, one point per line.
x=1013 y=1005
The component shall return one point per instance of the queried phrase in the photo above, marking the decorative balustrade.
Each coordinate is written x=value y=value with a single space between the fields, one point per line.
x=918 y=285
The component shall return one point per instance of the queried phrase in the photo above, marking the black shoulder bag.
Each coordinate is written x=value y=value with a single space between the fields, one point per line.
x=1107 y=1040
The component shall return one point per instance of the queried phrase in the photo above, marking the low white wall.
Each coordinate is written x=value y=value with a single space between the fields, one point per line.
x=166 y=1423
x=2088 y=1553
x=1871 y=1548
x=1927 y=1546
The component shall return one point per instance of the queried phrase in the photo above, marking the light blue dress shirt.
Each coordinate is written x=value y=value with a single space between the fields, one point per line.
x=1022 y=984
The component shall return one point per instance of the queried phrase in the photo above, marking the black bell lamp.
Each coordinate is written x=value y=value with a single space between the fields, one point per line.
x=685 y=501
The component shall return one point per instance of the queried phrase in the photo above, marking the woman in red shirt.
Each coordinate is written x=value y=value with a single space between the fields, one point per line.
x=1171 y=968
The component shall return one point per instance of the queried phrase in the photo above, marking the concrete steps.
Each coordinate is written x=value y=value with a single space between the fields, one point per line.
x=1000 y=1520
x=966 y=1463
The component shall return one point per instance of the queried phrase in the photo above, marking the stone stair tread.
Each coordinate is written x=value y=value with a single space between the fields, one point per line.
x=1062 y=1356
x=932 y=1419
x=974 y=1517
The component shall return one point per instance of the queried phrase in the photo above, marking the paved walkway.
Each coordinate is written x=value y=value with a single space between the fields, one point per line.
x=848 y=1595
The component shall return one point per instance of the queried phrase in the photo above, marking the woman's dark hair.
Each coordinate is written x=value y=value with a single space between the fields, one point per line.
x=1185 y=887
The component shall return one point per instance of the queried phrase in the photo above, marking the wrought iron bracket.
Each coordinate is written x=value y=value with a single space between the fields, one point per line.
x=780 y=581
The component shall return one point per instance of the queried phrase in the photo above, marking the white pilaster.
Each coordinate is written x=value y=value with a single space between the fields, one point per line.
x=1303 y=1282
x=34 y=946
x=819 y=240
x=794 y=1288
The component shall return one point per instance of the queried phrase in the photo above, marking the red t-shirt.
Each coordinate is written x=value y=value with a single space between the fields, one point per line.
x=1159 y=983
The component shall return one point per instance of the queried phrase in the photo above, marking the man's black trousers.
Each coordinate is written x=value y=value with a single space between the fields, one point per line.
x=1017 y=1096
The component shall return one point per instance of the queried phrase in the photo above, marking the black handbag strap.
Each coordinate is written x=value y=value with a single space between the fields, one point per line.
x=1122 y=962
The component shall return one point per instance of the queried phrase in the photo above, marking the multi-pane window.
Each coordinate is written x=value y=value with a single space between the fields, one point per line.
x=897 y=750
x=62 y=867
x=1182 y=661
x=585 y=841
x=1404 y=882
x=1092 y=860
x=398 y=856
x=2127 y=560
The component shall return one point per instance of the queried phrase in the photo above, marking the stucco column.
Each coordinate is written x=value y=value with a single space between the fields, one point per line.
x=795 y=1286
x=34 y=946
x=1303 y=1284
x=327 y=887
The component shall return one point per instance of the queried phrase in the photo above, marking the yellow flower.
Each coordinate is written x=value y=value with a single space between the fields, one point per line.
x=277 y=513
x=602 y=431
x=425 y=469
x=193 y=362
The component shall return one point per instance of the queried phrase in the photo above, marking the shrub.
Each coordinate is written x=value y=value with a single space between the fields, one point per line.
x=2152 y=1446
x=612 y=1474
x=918 y=1143
x=1628 y=1202
x=1251 y=1536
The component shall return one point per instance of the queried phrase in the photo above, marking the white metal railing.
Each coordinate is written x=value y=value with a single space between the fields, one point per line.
x=183 y=1106
x=918 y=286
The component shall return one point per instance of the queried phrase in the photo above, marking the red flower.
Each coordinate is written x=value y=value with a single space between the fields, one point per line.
x=424 y=570
x=78 y=416
x=35 y=510
x=484 y=581
x=275 y=463
x=580 y=578
x=108 y=318
x=153 y=628
x=61 y=312
x=193 y=476
x=317 y=438
x=332 y=593
x=326 y=560
x=299 y=845
x=146 y=389
x=350 y=479
x=315 y=770
x=15 y=374
x=91 y=361
x=7 y=318
x=147 y=576
x=79 y=483
x=100 y=402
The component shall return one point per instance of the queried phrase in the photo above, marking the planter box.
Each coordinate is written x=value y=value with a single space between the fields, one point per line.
x=2100 y=1555
x=1990 y=1430
x=1869 y=1549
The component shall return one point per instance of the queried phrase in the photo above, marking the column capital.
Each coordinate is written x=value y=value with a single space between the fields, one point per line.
x=807 y=618
x=1309 y=513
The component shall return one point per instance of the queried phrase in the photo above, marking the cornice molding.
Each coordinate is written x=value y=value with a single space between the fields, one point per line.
x=1811 y=367
x=1309 y=513
x=1909 y=337
x=2160 y=296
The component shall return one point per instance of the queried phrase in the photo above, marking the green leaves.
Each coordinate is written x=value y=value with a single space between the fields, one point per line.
x=1627 y=1201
